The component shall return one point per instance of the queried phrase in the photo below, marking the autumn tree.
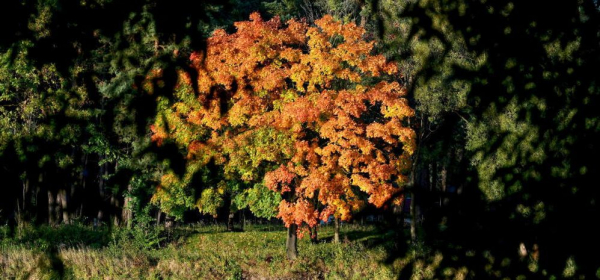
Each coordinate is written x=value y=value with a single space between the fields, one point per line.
x=309 y=111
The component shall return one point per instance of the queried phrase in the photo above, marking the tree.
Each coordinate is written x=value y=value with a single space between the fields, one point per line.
x=72 y=112
x=306 y=109
x=522 y=85
x=431 y=61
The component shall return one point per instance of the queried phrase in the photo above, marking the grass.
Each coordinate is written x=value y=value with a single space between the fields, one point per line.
x=209 y=252
x=193 y=252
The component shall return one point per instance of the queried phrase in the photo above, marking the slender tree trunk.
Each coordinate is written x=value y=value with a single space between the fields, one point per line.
x=443 y=178
x=83 y=180
x=22 y=203
x=292 y=242
x=115 y=201
x=243 y=219
x=41 y=205
x=101 y=193
x=58 y=210
x=128 y=208
x=444 y=184
x=402 y=215
x=413 y=217
x=26 y=200
x=158 y=216
x=336 y=230
x=115 y=207
x=314 y=237
x=72 y=199
x=51 y=208
x=396 y=216
x=432 y=178
x=422 y=185
x=156 y=46
x=64 y=206
x=230 y=219
x=17 y=221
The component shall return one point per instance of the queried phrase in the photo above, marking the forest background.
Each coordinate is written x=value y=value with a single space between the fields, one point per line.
x=506 y=130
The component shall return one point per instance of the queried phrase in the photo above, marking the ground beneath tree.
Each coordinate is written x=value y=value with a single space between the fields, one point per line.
x=195 y=252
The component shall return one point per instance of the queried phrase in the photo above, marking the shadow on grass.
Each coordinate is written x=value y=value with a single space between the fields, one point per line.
x=64 y=236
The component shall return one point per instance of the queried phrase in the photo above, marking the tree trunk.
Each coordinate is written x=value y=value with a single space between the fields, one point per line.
x=101 y=194
x=336 y=230
x=62 y=194
x=156 y=44
x=26 y=200
x=114 y=208
x=41 y=206
x=363 y=16
x=100 y=216
x=51 y=208
x=82 y=181
x=444 y=185
x=397 y=216
x=115 y=201
x=413 y=218
x=230 y=219
x=14 y=218
x=423 y=182
x=242 y=219
x=292 y=242
x=314 y=237
x=158 y=215
x=72 y=199
x=21 y=203
x=128 y=208
x=58 y=210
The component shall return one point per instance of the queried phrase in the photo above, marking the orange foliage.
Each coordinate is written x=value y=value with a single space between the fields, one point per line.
x=295 y=98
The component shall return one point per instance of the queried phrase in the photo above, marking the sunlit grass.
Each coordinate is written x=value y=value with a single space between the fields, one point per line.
x=17 y=262
x=207 y=252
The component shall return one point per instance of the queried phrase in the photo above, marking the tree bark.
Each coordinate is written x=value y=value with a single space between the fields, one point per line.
x=115 y=211
x=243 y=219
x=58 y=209
x=314 y=237
x=423 y=182
x=114 y=208
x=64 y=206
x=101 y=193
x=230 y=219
x=51 y=208
x=413 y=217
x=336 y=230
x=127 y=208
x=13 y=219
x=444 y=185
x=41 y=203
x=292 y=242
x=83 y=179
x=158 y=215
x=24 y=211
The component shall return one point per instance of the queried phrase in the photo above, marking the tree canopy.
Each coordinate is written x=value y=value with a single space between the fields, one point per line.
x=306 y=108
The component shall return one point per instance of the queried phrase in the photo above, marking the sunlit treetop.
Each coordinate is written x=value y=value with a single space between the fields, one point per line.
x=307 y=109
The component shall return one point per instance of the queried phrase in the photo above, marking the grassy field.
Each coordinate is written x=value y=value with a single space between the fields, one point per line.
x=194 y=252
